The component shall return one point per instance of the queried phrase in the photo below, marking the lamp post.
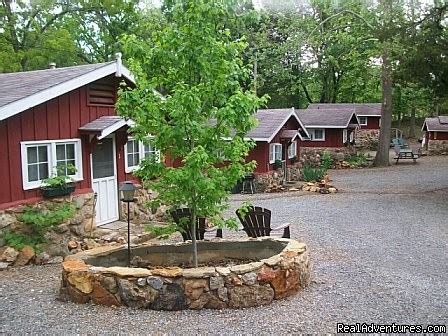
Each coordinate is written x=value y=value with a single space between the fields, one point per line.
x=128 y=191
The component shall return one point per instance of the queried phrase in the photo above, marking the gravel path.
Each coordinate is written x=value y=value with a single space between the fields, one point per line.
x=379 y=252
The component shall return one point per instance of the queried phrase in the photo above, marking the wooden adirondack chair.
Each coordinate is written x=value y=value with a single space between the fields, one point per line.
x=257 y=223
x=201 y=228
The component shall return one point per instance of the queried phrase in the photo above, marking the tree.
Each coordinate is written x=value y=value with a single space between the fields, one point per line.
x=204 y=113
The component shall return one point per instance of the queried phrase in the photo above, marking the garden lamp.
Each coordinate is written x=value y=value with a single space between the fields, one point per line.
x=128 y=189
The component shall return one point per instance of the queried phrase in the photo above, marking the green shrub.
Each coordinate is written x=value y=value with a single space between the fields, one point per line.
x=162 y=232
x=37 y=224
x=357 y=160
x=312 y=174
x=326 y=160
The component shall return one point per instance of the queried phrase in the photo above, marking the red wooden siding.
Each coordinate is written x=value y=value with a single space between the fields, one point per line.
x=372 y=123
x=439 y=136
x=260 y=154
x=58 y=118
x=333 y=138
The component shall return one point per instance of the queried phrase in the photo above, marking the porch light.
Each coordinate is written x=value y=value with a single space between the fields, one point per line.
x=128 y=191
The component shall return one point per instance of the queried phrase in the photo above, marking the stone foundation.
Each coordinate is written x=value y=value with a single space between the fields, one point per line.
x=275 y=178
x=58 y=237
x=438 y=147
x=367 y=138
x=140 y=212
x=311 y=156
x=277 y=268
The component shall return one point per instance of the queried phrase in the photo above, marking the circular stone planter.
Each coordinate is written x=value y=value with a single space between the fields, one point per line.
x=275 y=268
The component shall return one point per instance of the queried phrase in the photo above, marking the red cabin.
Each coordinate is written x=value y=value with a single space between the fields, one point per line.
x=436 y=135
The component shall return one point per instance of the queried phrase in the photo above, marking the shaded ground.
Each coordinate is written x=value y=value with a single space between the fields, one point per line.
x=380 y=256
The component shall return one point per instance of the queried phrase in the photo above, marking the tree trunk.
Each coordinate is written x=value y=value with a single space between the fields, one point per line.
x=412 y=122
x=193 y=237
x=382 y=155
x=399 y=107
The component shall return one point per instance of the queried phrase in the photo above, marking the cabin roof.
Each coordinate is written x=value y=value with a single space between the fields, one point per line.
x=361 y=109
x=323 y=118
x=436 y=124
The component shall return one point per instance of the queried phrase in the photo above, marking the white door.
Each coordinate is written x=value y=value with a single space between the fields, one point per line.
x=104 y=181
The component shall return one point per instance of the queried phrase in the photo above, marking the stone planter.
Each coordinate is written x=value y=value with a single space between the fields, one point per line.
x=275 y=268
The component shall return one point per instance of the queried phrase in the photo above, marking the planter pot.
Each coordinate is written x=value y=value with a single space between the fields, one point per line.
x=58 y=191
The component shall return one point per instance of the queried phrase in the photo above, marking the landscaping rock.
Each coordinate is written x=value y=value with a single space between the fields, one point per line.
x=223 y=294
x=6 y=220
x=8 y=254
x=250 y=296
x=101 y=296
x=169 y=272
x=224 y=271
x=216 y=282
x=134 y=296
x=141 y=282
x=285 y=283
x=249 y=278
x=82 y=281
x=72 y=244
x=154 y=282
x=3 y=266
x=171 y=297
x=42 y=258
x=109 y=284
x=25 y=256
x=194 y=288
x=245 y=268
x=200 y=272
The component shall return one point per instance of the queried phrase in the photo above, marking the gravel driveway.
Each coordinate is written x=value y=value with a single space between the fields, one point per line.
x=380 y=256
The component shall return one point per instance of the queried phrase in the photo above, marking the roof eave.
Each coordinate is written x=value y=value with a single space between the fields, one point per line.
x=40 y=97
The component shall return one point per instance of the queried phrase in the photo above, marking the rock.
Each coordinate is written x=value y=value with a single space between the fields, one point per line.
x=8 y=254
x=200 y=302
x=214 y=302
x=90 y=243
x=171 y=297
x=194 y=288
x=249 y=278
x=72 y=244
x=6 y=220
x=25 y=256
x=154 y=282
x=61 y=228
x=74 y=265
x=56 y=260
x=168 y=272
x=109 y=283
x=77 y=296
x=245 y=268
x=225 y=271
x=125 y=272
x=294 y=189
x=42 y=258
x=200 y=272
x=266 y=274
x=77 y=220
x=82 y=281
x=272 y=261
x=141 y=282
x=101 y=296
x=111 y=236
x=223 y=294
x=285 y=283
x=216 y=282
x=250 y=296
x=134 y=296
x=3 y=266
x=332 y=190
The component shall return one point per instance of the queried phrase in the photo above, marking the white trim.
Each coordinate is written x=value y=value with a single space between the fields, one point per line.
x=40 y=97
x=111 y=129
x=312 y=130
x=284 y=122
x=272 y=150
x=332 y=126
x=141 y=150
x=344 y=135
x=294 y=154
x=51 y=154
x=359 y=120
x=368 y=115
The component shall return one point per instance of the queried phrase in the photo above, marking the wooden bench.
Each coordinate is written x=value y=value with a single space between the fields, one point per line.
x=405 y=154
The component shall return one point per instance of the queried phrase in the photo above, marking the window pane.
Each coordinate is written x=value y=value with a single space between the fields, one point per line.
x=103 y=159
x=131 y=160
x=42 y=153
x=70 y=151
x=60 y=152
x=136 y=159
x=33 y=173
x=32 y=154
x=130 y=146
x=43 y=171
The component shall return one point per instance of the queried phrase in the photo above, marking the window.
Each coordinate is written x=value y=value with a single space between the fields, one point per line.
x=317 y=134
x=275 y=152
x=344 y=136
x=362 y=121
x=292 y=150
x=136 y=151
x=40 y=160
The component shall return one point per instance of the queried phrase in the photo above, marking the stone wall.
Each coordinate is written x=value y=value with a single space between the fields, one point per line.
x=311 y=156
x=59 y=236
x=367 y=138
x=174 y=288
x=140 y=211
x=438 y=147
x=275 y=178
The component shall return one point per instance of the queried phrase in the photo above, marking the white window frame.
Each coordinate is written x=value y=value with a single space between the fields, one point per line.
x=344 y=135
x=364 y=118
x=313 y=135
x=292 y=150
x=141 y=148
x=52 y=161
x=273 y=152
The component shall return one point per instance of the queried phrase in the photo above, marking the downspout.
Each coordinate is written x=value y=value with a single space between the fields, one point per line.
x=119 y=63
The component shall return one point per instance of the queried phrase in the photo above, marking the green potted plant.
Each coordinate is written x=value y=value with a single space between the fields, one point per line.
x=277 y=164
x=60 y=184
x=293 y=159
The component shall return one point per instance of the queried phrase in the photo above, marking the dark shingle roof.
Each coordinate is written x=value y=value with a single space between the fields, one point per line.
x=18 y=85
x=361 y=109
x=269 y=122
x=437 y=124
x=100 y=124
x=337 y=118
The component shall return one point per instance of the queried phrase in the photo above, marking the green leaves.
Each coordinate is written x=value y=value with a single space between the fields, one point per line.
x=202 y=118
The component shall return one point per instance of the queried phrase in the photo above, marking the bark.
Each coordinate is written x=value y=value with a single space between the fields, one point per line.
x=382 y=155
x=193 y=236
